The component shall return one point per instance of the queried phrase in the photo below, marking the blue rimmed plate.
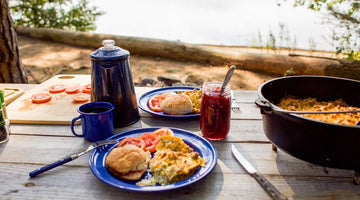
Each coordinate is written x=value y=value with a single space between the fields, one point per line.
x=199 y=144
x=144 y=99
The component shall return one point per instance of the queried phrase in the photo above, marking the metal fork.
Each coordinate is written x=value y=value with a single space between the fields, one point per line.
x=234 y=106
x=74 y=156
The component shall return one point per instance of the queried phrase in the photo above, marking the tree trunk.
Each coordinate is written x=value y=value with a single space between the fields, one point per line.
x=11 y=67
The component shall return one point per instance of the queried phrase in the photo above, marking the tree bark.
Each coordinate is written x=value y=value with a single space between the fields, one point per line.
x=11 y=67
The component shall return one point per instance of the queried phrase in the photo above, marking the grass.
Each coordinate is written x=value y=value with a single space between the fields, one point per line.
x=281 y=40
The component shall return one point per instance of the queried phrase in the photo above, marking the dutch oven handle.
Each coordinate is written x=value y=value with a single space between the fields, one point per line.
x=264 y=105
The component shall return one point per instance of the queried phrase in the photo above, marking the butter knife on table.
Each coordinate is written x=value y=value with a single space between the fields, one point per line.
x=273 y=192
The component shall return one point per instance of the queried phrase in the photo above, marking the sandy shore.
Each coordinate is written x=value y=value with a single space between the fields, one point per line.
x=44 y=59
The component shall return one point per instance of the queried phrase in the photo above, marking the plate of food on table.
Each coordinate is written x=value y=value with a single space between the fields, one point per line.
x=172 y=102
x=154 y=159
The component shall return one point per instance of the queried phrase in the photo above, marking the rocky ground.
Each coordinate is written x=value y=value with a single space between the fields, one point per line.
x=44 y=59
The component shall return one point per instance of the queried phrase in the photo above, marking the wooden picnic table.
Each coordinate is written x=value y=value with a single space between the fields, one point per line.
x=34 y=145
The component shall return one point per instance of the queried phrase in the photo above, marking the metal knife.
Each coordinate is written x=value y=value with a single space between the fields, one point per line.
x=273 y=192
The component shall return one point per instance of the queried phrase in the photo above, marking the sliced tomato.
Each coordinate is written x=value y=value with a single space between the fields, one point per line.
x=155 y=101
x=81 y=97
x=154 y=104
x=134 y=141
x=72 y=89
x=40 y=98
x=57 y=88
x=163 y=131
x=86 y=88
x=151 y=140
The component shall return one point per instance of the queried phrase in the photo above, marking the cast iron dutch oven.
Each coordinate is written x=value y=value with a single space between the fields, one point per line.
x=322 y=143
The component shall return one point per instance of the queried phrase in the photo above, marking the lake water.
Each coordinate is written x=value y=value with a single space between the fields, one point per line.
x=220 y=22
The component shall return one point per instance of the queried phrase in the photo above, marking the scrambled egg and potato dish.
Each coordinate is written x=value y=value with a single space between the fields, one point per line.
x=195 y=97
x=311 y=104
x=173 y=161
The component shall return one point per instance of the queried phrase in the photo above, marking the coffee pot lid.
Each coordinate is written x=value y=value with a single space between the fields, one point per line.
x=108 y=44
x=109 y=51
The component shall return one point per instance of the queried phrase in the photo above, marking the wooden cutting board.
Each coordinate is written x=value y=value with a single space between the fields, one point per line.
x=61 y=109
x=10 y=94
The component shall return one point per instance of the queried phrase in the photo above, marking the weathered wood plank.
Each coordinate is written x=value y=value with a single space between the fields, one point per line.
x=80 y=183
x=248 y=111
x=42 y=129
x=42 y=150
x=266 y=161
x=240 y=130
x=245 y=96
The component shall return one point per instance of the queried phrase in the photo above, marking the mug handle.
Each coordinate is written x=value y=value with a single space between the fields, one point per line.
x=72 y=126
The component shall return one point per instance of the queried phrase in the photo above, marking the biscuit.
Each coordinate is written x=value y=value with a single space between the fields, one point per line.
x=178 y=104
x=128 y=162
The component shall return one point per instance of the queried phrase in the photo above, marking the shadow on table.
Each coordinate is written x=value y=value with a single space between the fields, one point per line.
x=191 y=124
x=2 y=146
x=307 y=180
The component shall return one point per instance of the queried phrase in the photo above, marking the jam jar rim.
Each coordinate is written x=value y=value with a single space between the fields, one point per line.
x=215 y=91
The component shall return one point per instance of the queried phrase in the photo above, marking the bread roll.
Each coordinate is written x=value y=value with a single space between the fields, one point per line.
x=128 y=162
x=178 y=104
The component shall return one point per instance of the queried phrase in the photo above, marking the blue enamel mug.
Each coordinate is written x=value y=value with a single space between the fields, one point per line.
x=97 y=121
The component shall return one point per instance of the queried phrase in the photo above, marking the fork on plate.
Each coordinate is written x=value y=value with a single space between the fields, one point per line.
x=234 y=106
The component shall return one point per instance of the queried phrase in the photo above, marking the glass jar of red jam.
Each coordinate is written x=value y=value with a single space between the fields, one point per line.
x=215 y=111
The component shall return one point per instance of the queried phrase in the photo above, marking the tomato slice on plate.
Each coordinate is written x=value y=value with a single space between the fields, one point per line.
x=134 y=141
x=72 y=89
x=155 y=101
x=154 y=104
x=81 y=97
x=151 y=140
x=163 y=131
x=40 y=98
x=57 y=88
x=86 y=88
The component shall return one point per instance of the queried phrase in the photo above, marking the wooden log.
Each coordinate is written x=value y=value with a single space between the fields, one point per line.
x=136 y=45
x=175 y=50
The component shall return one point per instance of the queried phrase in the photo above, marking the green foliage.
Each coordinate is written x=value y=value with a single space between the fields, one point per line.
x=271 y=41
x=290 y=72
x=280 y=40
x=344 y=15
x=60 y=14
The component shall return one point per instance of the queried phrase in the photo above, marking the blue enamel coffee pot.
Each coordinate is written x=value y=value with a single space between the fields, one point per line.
x=111 y=81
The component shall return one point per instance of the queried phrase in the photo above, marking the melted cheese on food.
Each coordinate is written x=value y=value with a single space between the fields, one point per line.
x=311 y=104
